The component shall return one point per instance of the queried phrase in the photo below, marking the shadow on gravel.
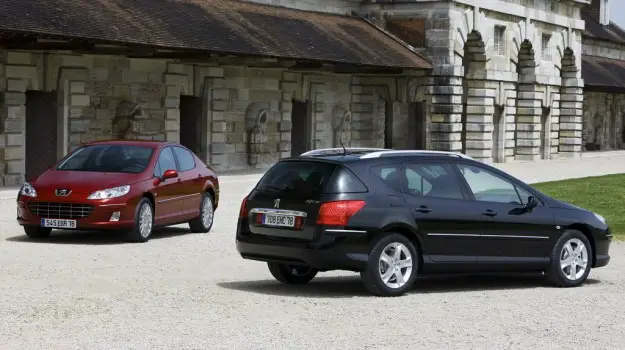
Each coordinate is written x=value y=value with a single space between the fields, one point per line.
x=97 y=237
x=346 y=287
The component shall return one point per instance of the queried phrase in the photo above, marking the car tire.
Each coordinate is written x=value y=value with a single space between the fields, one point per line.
x=204 y=222
x=144 y=222
x=37 y=232
x=571 y=251
x=390 y=272
x=292 y=274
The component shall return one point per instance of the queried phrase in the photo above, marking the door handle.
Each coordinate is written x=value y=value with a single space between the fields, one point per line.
x=423 y=209
x=490 y=213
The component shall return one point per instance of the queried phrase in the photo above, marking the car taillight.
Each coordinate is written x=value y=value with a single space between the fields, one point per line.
x=243 y=210
x=338 y=213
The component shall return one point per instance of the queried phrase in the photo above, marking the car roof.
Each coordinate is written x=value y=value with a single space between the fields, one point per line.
x=354 y=154
x=144 y=143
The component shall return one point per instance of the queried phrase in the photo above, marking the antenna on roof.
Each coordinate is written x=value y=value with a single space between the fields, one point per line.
x=344 y=150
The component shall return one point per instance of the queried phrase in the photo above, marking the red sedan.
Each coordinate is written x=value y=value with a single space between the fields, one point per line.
x=132 y=186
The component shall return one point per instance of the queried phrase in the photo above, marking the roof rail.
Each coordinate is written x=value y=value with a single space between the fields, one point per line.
x=413 y=152
x=340 y=150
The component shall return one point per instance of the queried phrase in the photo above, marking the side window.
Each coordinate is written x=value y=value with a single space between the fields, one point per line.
x=432 y=180
x=389 y=174
x=488 y=187
x=166 y=161
x=185 y=159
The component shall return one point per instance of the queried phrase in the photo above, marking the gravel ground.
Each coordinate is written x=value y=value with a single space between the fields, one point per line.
x=182 y=291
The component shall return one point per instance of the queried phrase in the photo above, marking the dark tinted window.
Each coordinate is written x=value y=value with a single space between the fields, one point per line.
x=166 y=161
x=297 y=177
x=390 y=174
x=108 y=158
x=489 y=187
x=185 y=159
x=344 y=181
x=432 y=180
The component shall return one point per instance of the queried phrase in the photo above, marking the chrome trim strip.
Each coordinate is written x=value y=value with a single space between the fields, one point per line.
x=278 y=211
x=344 y=231
x=177 y=198
x=113 y=205
x=484 y=235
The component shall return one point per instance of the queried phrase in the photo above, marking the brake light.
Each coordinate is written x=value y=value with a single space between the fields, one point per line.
x=338 y=213
x=243 y=210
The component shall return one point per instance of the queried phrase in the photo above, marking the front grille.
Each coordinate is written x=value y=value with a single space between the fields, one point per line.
x=60 y=210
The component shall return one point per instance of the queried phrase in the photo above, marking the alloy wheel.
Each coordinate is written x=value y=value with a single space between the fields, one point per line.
x=207 y=212
x=395 y=265
x=574 y=259
x=145 y=221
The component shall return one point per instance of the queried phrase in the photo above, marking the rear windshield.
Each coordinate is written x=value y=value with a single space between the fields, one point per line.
x=108 y=159
x=309 y=178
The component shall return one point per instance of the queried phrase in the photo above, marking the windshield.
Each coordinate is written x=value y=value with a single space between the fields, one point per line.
x=108 y=159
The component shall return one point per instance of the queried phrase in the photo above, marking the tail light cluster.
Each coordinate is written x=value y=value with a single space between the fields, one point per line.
x=338 y=213
x=243 y=211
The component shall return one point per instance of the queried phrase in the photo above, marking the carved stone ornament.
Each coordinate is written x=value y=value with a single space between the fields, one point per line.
x=125 y=114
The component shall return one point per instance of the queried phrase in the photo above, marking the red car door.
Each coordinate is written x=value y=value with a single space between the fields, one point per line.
x=168 y=192
x=192 y=183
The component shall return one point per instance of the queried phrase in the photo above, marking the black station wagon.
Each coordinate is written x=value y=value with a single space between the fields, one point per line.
x=392 y=215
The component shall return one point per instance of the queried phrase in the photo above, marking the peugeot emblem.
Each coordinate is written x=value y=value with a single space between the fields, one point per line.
x=63 y=192
x=276 y=203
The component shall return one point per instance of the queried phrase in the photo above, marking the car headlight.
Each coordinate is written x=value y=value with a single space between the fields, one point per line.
x=600 y=218
x=110 y=193
x=28 y=190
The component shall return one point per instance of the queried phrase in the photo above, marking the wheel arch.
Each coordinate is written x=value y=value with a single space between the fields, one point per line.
x=410 y=233
x=585 y=230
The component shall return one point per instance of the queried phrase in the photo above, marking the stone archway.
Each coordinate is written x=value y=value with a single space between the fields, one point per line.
x=475 y=111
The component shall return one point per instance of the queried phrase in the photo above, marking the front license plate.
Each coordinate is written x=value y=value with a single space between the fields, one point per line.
x=279 y=220
x=58 y=223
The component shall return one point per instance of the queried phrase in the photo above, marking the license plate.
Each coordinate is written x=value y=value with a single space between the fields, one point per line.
x=279 y=220
x=58 y=223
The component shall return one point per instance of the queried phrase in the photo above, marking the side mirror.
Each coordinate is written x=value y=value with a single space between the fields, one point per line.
x=532 y=202
x=170 y=174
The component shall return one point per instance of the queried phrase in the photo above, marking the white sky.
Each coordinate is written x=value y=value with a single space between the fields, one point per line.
x=617 y=12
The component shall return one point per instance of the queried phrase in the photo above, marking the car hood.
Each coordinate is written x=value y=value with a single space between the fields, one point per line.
x=564 y=205
x=82 y=181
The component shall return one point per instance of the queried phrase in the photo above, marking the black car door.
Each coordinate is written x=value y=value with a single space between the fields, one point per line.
x=442 y=212
x=510 y=232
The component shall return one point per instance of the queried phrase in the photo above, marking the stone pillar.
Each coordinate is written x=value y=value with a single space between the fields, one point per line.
x=17 y=74
x=529 y=111
x=219 y=102
x=445 y=86
x=571 y=111
x=206 y=80
x=72 y=101
x=289 y=87
x=176 y=83
x=480 y=108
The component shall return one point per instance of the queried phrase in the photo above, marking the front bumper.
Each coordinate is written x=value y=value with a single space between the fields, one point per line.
x=98 y=219
x=331 y=250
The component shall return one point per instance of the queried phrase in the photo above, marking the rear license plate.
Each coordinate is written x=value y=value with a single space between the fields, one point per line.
x=279 y=220
x=58 y=223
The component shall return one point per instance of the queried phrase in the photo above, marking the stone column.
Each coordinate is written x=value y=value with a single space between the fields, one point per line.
x=529 y=111
x=445 y=87
x=571 y=111
x=17 y=74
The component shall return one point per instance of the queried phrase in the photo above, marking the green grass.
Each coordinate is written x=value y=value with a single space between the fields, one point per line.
x=605 y=195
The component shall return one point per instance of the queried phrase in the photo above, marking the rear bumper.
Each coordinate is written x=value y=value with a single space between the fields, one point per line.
x=334 y=250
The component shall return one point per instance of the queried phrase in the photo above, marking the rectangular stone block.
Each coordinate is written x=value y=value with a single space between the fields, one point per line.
x=12 y=98
x=15 y=166
x=18 y=85
x=15 y=139
x=79 y=100
x=20 y=72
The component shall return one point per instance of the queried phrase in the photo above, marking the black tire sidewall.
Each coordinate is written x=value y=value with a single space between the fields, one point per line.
x=371 y=276
x=555 y=273
x=135 y=233
x=197 y=225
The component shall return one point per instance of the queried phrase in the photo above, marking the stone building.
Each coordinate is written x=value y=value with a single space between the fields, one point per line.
x=244 y=83
x=603 y=69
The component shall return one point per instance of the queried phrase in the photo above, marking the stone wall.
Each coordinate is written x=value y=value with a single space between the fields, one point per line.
x=500 y=100
x=604 y=116
x=245 y=118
